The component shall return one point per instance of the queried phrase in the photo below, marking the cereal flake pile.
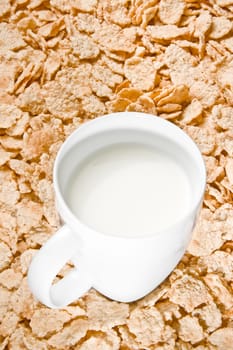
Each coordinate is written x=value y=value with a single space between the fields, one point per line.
x=63 y=62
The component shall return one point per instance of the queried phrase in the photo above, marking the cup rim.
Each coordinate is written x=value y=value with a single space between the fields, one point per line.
x=130 y=116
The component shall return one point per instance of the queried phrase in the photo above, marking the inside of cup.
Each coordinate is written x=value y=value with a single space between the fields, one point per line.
x=82 y=149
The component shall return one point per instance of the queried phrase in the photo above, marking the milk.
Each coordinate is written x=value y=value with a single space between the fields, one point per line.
x=129 y=190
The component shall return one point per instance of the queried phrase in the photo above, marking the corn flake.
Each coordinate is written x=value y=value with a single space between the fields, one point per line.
x=229 y=170
x=189 y=293
x=104 y=314
x=221 y=26
x=46 y=321
x=118 y=105
x=112 y=38
x=102 y=73
x=20 y=167
x=84 y=46
x=193 y=112
x=141 y=73
x=63 y=95
x=4 y=7
x=148 y=15
x=10 y=278
x=224 y=75
x=218 y=289
x=204 y=138
x=147 y=104
x=5 y=256
x=4 y=343
x=203 y=23
x=32 y=343
x=166 y=32
x=157 y=294
x=17 y=338
x=101 y=89
x=147 y=325
x=170 y=11
x=211 y=316
x=87 y=23
x=46 y=195
x=62 y=5
x=8 y=188
x=37 y=142
x=84 y=5
x=128 y=339
x=222 y=338
x=116 y=67
x=207 y=235
x=176 y=57
x=222 y=116
x=190 y=329
x=139 y=8
x=169 y=108
x=211 y=95
x=130 y=94
x=19 y=127
x=14 y=39
x=168 y=310
x=220 y=262
x=8 y=323
x=70 y=334
x=7 y=234
x=227 y=143
x=224 y=3
x=101 y=341
x=4 y=301
x=22 y=301
x=9 y=115
x=228 y=43
x=5 y=156
x=116 y=12
x=29 y=214
x=213 y=169
x=173 y=95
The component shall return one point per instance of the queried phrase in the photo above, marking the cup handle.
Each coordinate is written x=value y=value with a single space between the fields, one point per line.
x=46 y=264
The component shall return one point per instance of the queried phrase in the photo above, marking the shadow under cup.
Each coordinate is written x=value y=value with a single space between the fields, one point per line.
x=166 y=138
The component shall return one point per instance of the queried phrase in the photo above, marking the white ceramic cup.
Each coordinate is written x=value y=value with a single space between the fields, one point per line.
x=121 y=268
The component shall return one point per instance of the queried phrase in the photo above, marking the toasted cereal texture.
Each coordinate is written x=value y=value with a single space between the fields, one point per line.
x=10 y=278
x=69 y=335
x=221 y=262
x=5 y=295
x=104 y=314
x=193 y=112
x=190 y=330
x=4 y=7
x=9 y=323
x=170 y=11
x=166 y=32
x=222 y=338
x=210 y=315
x=64 y=62
x=219 y=290
x=221 y=26
x=55 y=321
x=101 y=341
x=147 y=325
x=5 y=255
x=189 y=293
x=141 y=73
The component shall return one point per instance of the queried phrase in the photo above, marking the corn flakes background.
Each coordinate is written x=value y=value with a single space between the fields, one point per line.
x=63 y=62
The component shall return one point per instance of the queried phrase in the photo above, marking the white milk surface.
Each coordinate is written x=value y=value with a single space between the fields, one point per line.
x=129 y=190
